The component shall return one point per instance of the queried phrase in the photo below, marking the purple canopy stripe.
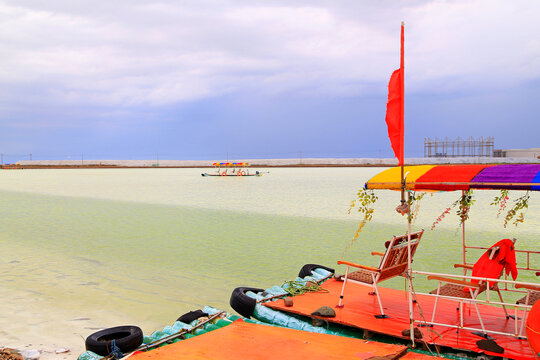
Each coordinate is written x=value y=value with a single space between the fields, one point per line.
x=517 y=174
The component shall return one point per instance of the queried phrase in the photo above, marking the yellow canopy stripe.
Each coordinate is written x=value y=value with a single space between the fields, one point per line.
x=391 y=178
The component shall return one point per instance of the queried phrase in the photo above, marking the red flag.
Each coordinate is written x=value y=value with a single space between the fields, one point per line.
x=395 y=117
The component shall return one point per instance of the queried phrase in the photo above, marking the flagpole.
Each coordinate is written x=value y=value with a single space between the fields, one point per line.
x=402 y=111
x=395 y=120
x=402 y=155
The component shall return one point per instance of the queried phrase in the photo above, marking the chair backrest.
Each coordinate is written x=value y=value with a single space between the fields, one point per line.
x=395 y=260
x=488 y=265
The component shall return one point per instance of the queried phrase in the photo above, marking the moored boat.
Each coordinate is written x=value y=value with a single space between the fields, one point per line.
x=237 y=169
x=216 y=334
x=10 y=167
x=461 y=316
x=465 y=313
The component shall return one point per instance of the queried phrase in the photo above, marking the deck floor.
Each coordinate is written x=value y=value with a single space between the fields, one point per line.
x=241 y=340
x=360 y=307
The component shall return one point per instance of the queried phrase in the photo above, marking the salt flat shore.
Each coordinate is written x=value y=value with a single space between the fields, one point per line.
x=308 y=162
x=7 y=353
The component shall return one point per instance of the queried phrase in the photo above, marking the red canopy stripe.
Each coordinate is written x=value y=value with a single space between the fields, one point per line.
x=448 y=174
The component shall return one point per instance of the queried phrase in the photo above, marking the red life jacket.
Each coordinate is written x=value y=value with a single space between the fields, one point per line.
x=505 y=258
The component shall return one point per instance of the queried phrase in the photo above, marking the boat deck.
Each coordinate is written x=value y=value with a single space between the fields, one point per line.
x=241 y=340
x=360 y=307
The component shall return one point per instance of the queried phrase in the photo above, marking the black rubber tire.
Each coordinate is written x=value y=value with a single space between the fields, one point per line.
x=306 y=270
x=192 y=315
x=243 y=304
x=127 y=338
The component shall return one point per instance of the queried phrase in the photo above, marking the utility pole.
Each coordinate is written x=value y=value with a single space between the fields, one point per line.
x=30 y=157
x=2 y=159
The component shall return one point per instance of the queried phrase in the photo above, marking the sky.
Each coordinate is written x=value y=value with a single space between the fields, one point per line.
x=223 y=79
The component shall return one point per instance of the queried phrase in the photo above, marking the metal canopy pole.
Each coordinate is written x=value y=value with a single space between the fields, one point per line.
x=463 y=238
x=409 y=273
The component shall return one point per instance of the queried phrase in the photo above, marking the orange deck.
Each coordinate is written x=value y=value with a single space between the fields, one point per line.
x=360 y=307
x=416 y=356
x=242 y=340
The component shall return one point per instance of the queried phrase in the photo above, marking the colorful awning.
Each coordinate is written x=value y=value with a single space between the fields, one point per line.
x=236 y=164
x=460 y=177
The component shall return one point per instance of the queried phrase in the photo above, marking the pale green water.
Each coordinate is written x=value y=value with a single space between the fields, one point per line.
x=84 y=249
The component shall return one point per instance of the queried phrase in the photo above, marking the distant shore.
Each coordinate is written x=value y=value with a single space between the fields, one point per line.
x=261 y=163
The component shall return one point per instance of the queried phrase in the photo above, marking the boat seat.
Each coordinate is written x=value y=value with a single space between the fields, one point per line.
x=394 y=262
x=534 y=296
x=470 y=289
x=453 y=291
x=362 y=276
x=533 y=293
x=460 y=291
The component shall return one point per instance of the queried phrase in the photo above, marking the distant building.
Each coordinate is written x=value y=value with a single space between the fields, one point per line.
x=517 y=153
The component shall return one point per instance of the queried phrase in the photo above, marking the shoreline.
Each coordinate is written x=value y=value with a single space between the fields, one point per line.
x=259 y=163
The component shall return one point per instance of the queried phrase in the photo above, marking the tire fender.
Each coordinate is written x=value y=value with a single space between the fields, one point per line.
x=127 y=338
x=191 y=316
x=306 y=270
x=243 y=304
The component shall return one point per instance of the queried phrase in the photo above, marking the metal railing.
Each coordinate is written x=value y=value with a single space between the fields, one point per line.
x=527 y=266
x=519 y=324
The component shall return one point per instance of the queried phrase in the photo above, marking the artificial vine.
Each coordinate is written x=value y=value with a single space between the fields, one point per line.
x=519 y=208
x=500 y=201
x=414 y=206
x=440 y=218
x=364 y=205
x=464 y=204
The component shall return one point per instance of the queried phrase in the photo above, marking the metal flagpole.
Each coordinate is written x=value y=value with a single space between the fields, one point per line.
x=402 y=111
x=403 y=186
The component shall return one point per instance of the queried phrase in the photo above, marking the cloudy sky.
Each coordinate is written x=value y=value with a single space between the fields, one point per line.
x=201 y=79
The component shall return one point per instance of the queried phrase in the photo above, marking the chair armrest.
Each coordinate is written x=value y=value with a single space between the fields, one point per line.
x=529 y=287
x=538 y=273
x=377 y=253
x=465 y=266
x=453 y=281
x=348 y=263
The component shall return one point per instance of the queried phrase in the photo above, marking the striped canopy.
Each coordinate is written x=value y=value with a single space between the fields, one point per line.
x=460 y=177
x=236 y=164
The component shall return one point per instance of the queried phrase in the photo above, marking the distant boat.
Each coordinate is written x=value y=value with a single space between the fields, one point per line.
x=232 y=169
x=11 y=167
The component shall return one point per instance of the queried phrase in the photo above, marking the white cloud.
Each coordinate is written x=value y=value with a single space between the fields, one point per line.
x=136 y=52
x=475 y=43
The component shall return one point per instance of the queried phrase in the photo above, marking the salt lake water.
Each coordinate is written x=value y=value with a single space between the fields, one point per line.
x=87 y=249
